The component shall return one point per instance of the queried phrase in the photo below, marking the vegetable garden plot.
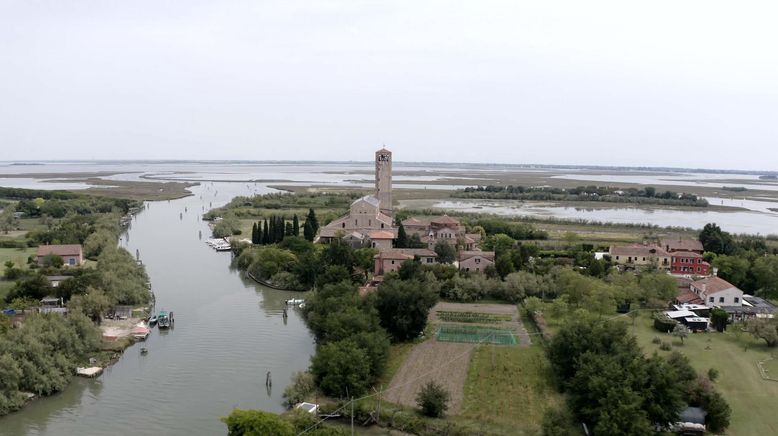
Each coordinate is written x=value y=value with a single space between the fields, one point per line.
x=475 y=335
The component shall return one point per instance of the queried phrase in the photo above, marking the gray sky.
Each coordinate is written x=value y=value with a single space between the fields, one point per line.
x=662 y=83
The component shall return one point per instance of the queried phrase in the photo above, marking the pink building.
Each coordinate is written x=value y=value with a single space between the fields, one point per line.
x=72 y=255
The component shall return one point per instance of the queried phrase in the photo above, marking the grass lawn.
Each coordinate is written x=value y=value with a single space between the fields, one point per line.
x=754 y=401
x=17 y=256
x=509 y=388
x=5 y=288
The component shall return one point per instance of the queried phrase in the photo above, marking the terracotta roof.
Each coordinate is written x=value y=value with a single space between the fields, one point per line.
x=681 y=244
x=713 y=285
x=685 y=254
x=380 y=234
x=637 y=250
x=689 y=297
x=464 y=255
x=367 y=198
x=445 y=219
x=59 y=250
x=405 y=253
x=476 y=237
x=414 y=222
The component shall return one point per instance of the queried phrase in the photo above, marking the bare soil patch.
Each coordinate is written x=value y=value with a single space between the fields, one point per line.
x=443 y=362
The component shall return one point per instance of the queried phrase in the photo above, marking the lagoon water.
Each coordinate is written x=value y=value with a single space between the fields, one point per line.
x=229 y=333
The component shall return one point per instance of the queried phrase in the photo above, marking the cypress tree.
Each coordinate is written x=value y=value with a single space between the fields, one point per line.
x=402 y=237
x=312 y=219
x=289 y=229
x=308 y=232
x=295 y=226
x=279 y=229
x=254 y=237
x=266 y=233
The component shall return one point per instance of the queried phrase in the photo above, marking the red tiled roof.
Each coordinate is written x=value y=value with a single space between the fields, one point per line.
x=380 y=234
x=712 y=285
x=689 y=297
x=59 y=250
x=637 y=250
x=685 y=254
x=681 y=244
x=464 y=255
x=445 y=219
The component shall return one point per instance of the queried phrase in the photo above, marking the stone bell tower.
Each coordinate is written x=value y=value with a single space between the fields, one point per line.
x=383 y=179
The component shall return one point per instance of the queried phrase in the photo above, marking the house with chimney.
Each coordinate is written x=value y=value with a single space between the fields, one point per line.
x=717 y=292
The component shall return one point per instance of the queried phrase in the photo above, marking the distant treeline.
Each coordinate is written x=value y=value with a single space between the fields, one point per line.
x=647 y=195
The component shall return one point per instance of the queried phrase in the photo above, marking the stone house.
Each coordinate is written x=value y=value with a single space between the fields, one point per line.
x=475 y=261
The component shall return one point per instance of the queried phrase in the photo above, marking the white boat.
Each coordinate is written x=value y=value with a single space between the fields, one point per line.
x=294 y=301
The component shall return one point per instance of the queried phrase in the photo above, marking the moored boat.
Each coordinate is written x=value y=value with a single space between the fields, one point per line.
x=165 y=319
x=152 y=320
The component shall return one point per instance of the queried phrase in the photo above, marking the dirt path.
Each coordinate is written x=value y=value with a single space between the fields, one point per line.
x=444 y=362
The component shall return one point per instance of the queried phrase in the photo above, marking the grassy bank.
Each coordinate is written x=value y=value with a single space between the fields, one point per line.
x=509 y=388
x=735 y=355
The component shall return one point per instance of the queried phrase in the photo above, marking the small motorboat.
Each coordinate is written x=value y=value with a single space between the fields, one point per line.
x=140 y=332
x=152 y=320
x=294 y=301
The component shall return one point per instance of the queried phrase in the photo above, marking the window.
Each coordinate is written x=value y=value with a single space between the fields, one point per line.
x=721 y=299
x=356 y=223
x=392 y=262
x=72 y=261
x=369 y=222
x=737 y=300
x=343 y=225
x=710 y=300
x=617 y=257
x=429 y=260
x=382 y=225
x=644 y=259
x=477 y=260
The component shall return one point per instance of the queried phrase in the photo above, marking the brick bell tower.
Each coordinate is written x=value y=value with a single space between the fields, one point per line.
x=383 y=179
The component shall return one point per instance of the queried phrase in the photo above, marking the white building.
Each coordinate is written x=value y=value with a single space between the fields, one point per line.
x=714 y=291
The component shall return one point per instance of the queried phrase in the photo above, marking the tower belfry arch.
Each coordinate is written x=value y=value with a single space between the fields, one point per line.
x=383 y=179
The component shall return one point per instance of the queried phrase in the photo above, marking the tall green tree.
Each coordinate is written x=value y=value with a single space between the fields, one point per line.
x=313 y=220
x=403 y=307
x=402 y=238
x=446 y=252
x=341 y=369
x=266 y=233
x=295 y=226
x=716 y=240
x=254 y=235
x=255 y=423
x=308 y=232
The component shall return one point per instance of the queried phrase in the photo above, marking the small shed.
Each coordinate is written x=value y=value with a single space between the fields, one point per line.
x=696 y=323
x=679 y=315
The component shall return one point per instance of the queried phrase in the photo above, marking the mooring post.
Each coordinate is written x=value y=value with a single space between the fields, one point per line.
x=268 y=380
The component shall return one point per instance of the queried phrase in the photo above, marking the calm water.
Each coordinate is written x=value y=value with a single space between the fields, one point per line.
x=759 y=220
x=229 y=332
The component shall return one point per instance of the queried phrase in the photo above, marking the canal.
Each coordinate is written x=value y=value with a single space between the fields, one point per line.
x=229 y=333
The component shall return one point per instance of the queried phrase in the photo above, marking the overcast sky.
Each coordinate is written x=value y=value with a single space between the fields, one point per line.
x=664 y=83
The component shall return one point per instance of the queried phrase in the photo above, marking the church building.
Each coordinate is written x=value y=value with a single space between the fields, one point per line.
x=369 y=221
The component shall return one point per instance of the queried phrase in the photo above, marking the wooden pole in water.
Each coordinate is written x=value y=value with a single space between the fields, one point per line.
x=268 y=380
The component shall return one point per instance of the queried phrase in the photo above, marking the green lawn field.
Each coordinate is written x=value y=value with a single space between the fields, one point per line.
x=754 y=401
